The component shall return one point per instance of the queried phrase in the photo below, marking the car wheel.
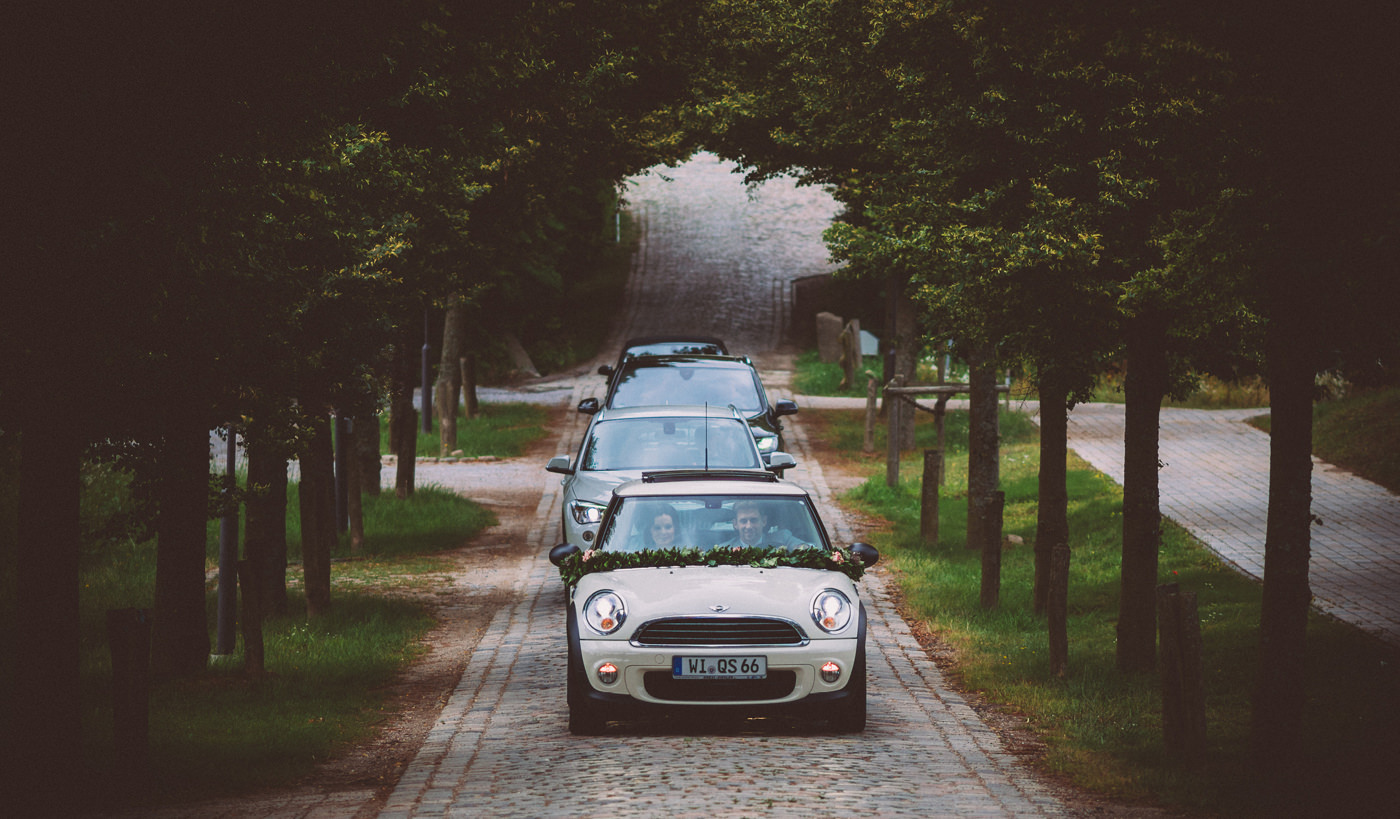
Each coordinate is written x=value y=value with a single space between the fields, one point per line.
x=849 y=718
x=584 y=718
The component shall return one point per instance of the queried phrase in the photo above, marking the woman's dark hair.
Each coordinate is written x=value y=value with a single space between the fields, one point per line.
x=657 y=511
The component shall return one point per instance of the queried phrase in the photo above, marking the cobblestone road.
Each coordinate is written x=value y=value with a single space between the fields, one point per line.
x=501 y=746
x=717 y=258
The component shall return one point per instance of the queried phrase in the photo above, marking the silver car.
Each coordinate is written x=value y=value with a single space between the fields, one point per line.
x=622 y=444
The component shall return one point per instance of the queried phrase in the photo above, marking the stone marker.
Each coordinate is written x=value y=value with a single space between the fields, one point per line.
x=829 y=328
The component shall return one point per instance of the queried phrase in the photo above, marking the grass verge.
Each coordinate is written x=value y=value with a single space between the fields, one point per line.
x=225 y=732
x=502 y=430
x=1360 y=433
x=816 y=377
x=1102 y=729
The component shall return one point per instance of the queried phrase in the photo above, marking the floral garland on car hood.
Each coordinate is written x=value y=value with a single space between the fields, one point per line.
x=578 y=564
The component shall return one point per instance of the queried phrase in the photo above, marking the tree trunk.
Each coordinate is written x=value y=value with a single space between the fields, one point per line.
x=1145 y=386
x=367 y=448
x=1279 y=693
x=265 y=541
x=403 y=432
x=469 y=385
x=983 y=467
x=403 y=423
x=354 y=479
x=906 y=358
x=317 y=501
x=44 y=719
x=449 y=383
x=1052 y=506
x=180 y=633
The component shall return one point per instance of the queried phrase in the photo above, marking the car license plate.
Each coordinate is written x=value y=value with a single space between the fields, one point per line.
x=719 y=668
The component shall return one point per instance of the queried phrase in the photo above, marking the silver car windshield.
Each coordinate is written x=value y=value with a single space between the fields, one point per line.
x=716 y=386
x=669 y=443
x=711 y=521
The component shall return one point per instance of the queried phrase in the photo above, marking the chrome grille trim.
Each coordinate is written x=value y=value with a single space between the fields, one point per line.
x=718 y=632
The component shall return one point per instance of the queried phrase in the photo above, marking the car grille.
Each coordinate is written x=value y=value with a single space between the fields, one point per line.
x=662 y=686
x=719 y=631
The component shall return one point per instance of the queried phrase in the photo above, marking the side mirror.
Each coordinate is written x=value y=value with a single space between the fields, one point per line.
x=780 y=462
x=562 y=551
x=785 y=407
x=865 y=553
x=559 y=465
x=589 y=406
x=605 y=369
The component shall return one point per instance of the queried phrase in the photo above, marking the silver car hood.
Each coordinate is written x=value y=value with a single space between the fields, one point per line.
x=597 y=487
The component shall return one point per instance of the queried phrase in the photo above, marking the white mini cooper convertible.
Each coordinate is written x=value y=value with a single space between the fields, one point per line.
x=710 y=590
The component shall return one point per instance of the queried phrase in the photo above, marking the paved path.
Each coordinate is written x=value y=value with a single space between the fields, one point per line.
x=502 y=748
x=1215 y=482
x=716 y=259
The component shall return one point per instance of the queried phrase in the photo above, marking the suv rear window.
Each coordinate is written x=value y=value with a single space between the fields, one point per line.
x=656 y=443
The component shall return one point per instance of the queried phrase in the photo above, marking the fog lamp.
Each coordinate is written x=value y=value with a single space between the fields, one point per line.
x=607 y=673
x=831 y=672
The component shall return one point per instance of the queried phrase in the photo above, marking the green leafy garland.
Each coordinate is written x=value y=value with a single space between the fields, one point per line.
x=578 y=564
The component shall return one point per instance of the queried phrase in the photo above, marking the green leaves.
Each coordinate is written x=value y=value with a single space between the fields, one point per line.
x=576 y=565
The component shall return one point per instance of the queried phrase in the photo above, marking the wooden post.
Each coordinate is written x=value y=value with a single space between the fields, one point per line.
x=1193 y=687
x=1183 y=696
x=850 y=358
x=871 y=409
x=1057 y=610
x=892 y=404
x=991 y=551
x=928 y=502
x=940 y=407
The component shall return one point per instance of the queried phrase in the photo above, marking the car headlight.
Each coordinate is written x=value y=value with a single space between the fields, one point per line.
x=604 y=612
x=831 y=610
x=767 y=443
x=585 y=513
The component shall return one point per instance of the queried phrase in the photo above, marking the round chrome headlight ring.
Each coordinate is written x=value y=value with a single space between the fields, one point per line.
x=831 y=610
x=604 y=611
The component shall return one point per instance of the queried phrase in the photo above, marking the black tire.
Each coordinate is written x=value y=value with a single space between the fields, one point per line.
x=585 y=720
x=849 y=716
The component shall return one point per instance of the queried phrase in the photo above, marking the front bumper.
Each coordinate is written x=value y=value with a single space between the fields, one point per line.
x=644 y=674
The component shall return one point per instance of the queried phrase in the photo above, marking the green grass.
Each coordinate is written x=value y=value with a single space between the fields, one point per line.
x=503 y=430
x=816 y=377
x=1102 y=728
x=224 y=732
x=1375 y=453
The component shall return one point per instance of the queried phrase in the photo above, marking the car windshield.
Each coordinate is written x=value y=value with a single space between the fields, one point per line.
x=688 y=384
x=711 y=521
x=669 y=443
